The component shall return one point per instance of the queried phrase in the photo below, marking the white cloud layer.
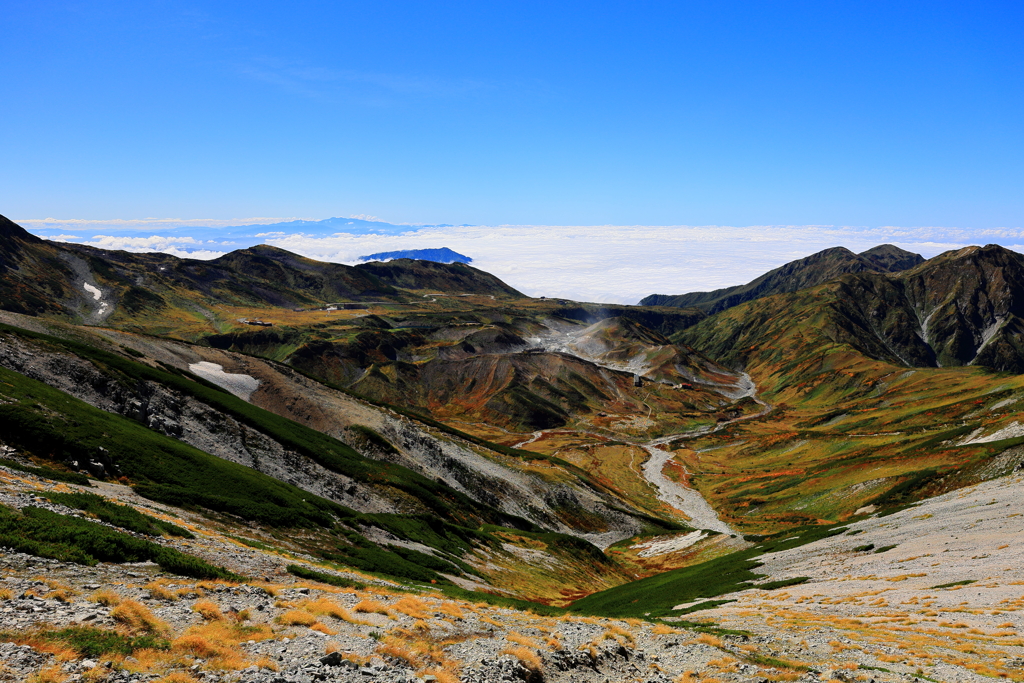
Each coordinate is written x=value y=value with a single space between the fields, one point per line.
x=112 y=224
x=622 y=264
x=613 y=264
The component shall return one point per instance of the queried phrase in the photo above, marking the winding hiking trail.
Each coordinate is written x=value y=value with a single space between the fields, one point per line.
x=687 y=500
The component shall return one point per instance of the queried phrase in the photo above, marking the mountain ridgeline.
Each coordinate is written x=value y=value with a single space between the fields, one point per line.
x=962 y=307
x=800 y=274
x=91 y=285
x=420 y=419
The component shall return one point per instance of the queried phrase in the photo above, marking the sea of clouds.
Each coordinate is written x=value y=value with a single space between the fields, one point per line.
x=613 y=264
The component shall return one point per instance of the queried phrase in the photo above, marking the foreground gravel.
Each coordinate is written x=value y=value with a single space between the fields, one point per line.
x=275 y=629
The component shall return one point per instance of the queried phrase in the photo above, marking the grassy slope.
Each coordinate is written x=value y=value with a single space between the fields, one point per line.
x=847 y=431
x=656 y=596
x=325 y=450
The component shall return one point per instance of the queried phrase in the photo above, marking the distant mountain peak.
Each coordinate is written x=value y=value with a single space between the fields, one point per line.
x=442 y=255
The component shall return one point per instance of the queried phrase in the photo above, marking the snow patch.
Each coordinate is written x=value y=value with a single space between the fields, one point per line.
x=668 y=545
x=241 y=386
x=97 y=295
x=1010 y=431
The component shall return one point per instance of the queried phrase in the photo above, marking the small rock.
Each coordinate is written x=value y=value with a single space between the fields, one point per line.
x=332 y=659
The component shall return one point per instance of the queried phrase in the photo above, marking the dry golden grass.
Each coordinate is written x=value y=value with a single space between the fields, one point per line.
x=395 y=648
x=318 y=626
x=441 y=675
x=663 y=630
x=296 y=617
x=218 y=642
x=325 y=607
x=708 y=639
x=62 y=594
x=371 y=607
x=412 y=606
x=148 y=661
x=527 y=657
x=50 y=674
x=269 y=588
x=197 y=646
x=215 y=584
x=137 y=617
x=520 y=639
x=266 y=663
x=208 y=609
x=6 y=594
x=159 y=590
x=177 y=677
x=452 y=609
x=621 y=632
x=106 y=597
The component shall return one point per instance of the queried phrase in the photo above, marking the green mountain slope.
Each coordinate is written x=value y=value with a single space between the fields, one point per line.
x=806 y=272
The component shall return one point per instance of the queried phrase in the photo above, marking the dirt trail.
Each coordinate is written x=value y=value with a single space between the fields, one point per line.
x=688 y=500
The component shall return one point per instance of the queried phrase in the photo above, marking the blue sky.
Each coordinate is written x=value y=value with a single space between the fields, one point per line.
x=154 y=125
x=625 y=113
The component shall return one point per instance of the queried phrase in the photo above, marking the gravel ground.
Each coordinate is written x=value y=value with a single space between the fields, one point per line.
x=275 y=629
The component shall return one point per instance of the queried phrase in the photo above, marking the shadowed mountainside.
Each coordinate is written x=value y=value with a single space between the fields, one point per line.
x=454 y=278
x=962 y=307
x=85 y=284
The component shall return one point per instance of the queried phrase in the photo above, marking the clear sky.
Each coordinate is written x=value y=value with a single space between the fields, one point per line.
x=631 y=113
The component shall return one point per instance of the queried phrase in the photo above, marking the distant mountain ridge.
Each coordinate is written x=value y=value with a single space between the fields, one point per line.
x=806 y=272
x=442 y=255
x=963 y=307
x=94 y=285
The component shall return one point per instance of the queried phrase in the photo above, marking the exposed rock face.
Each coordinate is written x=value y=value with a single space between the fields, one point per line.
x=188 y=420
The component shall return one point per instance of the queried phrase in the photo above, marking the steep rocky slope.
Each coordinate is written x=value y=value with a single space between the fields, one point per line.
x=885 y=616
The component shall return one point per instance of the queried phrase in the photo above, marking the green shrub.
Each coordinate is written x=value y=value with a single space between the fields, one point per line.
x=48 y=473
x=118 y=515
x=322 y=577
x=89 y=641
x=43 y=533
